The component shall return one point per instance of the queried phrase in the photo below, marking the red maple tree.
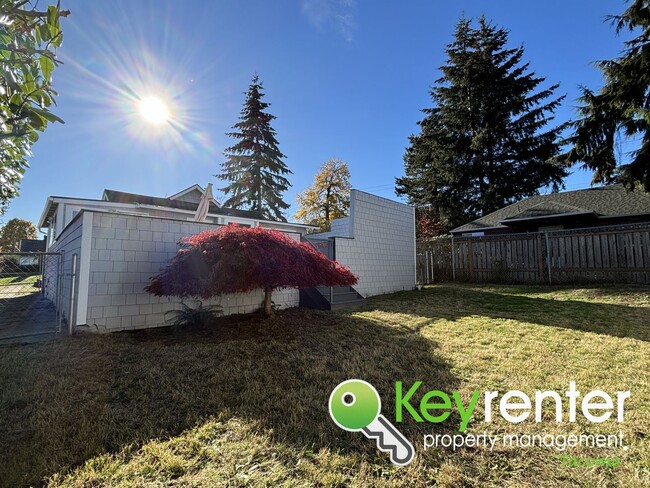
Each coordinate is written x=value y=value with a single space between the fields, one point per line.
x=237 y=259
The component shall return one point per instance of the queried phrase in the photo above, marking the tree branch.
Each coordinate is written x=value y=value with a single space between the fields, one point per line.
x=9 y=135
x=32 y=13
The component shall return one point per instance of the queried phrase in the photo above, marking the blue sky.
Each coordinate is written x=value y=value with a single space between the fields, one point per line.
x=346 y=79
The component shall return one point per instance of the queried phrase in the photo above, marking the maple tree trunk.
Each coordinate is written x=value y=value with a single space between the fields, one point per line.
x=268 y=309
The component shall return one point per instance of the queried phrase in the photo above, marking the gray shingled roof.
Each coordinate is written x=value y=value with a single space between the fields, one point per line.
x=124 y=197
x=604 y=201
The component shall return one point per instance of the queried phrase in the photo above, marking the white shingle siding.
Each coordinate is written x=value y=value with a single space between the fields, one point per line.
x=126 y=251
x=120 y=253
x=69 y=244
x=380 y=248
x=341 y=226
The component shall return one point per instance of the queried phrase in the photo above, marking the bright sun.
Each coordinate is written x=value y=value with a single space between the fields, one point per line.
x=154 y=110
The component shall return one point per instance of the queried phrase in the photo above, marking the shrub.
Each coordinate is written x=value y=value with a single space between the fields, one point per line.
x=194 y=318
x=237 y=259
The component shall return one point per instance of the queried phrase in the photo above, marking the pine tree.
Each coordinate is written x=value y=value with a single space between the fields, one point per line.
x=328 y=197
x=619 y=114
x=485 y=142
x=254 y=167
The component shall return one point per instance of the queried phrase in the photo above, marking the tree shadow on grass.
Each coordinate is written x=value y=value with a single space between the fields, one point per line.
x=71 y=401
x=452 y=303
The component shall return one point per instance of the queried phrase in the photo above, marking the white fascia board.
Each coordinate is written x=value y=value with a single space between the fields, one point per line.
x=130 y=206
x=48 y=204
x=186 y=191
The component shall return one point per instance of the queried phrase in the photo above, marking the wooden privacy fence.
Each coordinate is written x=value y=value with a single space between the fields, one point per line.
x=612 y=255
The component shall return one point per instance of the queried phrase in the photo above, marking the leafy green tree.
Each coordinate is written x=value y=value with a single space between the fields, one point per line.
x=619 y=113
x=485 y=142
x=328 y=197
x=29 y=38
x=13 y=232
x=254 y=167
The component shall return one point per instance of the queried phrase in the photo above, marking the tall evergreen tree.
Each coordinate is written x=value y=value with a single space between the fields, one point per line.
x=620 y=112
x=485 y=142
x=254 y=167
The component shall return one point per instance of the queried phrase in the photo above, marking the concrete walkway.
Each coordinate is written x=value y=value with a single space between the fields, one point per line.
x=27 y=317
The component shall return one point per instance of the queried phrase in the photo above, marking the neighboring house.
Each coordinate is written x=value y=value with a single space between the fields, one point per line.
x=112 y=247
x=32 y=245
x=593 y=207
x=29 y=246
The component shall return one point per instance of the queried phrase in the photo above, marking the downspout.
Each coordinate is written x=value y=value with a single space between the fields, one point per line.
x=73 y=282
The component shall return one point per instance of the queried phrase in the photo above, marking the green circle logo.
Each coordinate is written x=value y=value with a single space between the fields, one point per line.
x=354 y=404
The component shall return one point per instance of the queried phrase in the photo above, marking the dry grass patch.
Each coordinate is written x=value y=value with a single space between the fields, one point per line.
x=244 y=403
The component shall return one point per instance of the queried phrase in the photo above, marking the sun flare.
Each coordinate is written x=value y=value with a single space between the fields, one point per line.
x=154 y=110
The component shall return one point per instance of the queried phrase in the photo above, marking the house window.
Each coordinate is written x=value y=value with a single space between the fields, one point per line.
x=550 y=228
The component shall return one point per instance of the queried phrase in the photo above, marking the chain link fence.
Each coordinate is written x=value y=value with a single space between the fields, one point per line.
x=30 y=294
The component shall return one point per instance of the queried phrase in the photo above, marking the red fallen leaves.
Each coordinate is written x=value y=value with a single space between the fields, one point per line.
x=237 y=259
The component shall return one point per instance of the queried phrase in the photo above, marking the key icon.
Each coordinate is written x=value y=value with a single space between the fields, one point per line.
x=355 y=406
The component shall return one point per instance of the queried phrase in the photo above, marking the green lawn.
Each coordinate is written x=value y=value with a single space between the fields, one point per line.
x=15 y=279
x=245 y=403
x=5 y=280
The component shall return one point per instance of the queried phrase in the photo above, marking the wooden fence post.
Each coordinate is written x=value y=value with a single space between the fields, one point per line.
x=470 y=259
x=426 y=267
x=540 y=258
x=453 y=260
x=548 y=259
